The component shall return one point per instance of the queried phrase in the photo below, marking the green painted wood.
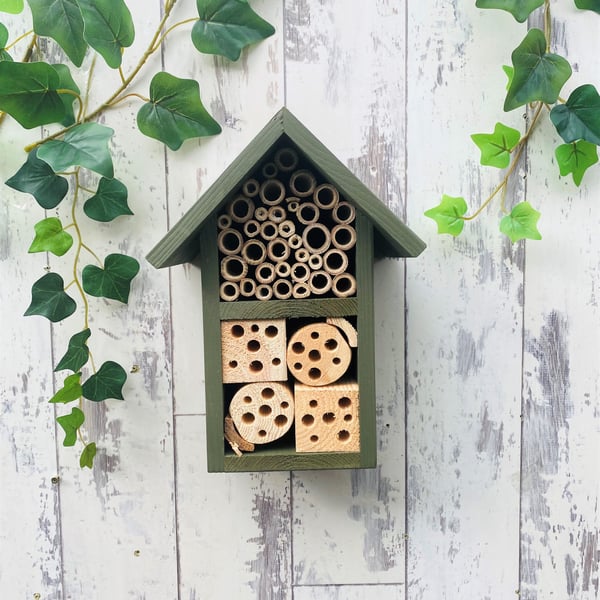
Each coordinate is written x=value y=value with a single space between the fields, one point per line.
x=366 y=340
x=278 y=309
x=291 y=461
x=209 y=263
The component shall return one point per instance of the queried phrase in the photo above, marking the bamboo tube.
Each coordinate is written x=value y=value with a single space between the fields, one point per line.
x=229 y=291
x=315 y=262
x=302 y=255
x=268 y=231
x=278 y=250
x=286 y=228
x=316 y=238
x=326 y=196
x=292 y=204
x=272 y=192
x=343 y=213
x=240 y=209
x=247 y=287
x=283 y=269
x=224 y=221
x=335 y=261
x=229 y=241
x=307 y=213
x=277 y=214
x=250 y=188
x=233 y=268
x=300 y=290
x=269 y=170
x=251 y=228
x=261 y=214
x=254 y=252
x=343 y=237
x=295 y=241
x=265 y=273
x=300 y=272
x=302 y=183
x=282 y=289
x=264 y=291
x=319 y=282
x=286 y=159
x=344 y=285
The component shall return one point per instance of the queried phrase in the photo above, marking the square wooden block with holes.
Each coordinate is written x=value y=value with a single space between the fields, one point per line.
x=253 y=350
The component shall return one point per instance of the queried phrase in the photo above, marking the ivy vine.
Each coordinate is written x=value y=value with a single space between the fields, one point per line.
x=59 y=166
x=535 y=80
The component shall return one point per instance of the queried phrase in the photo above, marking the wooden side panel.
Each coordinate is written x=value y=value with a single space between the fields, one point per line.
x=464 y=316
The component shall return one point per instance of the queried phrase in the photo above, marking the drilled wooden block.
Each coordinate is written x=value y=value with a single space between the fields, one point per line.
x=327 y=418
x=253 y=350
x=262 y=412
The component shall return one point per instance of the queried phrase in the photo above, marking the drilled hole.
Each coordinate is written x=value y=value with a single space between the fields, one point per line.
x=336 y=360
x=265 y=410
x=276 y=362
x=331 y=344
x=298 y=347
x=308 y=420
x=247 y=400
x=328 y=417
x=314 y=373
x=281 y=420
x=267 y=393
x=254 y=328
x=233 y=364
x=256 y=366
x=262 y=433
x=248 y=418
x=313 y=403
x=314 y=335
x=253 y=346
x=314 y=355
x=343 y=435
x=285 y=405
x=314 y=438
x=271 y=331
x=297 y=366
x=344 y=402
x=347 y=418
x=237 y=331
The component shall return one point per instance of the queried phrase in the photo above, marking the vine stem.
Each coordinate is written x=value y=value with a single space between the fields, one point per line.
x=21 y=37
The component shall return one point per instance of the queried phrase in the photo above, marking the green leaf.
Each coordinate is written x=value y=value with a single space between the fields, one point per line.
x=61 y=20
x=4 y=55
x=175 y=112
x=108 y=28
x=519 y=9
x=28 y=93
x=579 y=117
x=226 y=27
x=49 y=299
x=66 y=82
x=539 y=75
x=51 y=237
x=109 y=201
x=588 y=5
x=106 y=383
x=37 y=178
x=85 y=145
x=70 y=391
x=71 y=423
x=510 y=73
x=496 y=147
x=114 y=280
x=576 y=158
x=447 y=214
x=87 y=456
x=77 y=353
x=521 y=223
x=11 y=6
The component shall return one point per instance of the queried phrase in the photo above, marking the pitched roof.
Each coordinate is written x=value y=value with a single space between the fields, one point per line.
x=392 y=237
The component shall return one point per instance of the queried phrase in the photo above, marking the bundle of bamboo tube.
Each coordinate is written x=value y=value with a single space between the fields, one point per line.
x=286 y=234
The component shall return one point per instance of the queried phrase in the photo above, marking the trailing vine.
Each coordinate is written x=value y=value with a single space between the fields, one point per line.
x=60 y=164
x=535 y=80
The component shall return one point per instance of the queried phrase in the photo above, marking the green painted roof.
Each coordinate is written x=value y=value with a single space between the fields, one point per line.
x=392 y=237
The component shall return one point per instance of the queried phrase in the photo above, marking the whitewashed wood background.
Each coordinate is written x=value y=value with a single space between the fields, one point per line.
x=488 y=353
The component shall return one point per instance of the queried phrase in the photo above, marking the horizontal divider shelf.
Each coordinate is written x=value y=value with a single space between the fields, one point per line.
x=257 y=309
x=281 y=460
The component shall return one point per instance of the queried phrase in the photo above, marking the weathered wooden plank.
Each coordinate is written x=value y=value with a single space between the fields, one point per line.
x=349 y=592
x=348 y=526
x=234 y=530
x=463 y=316
x=323 y=307
x=561 y=412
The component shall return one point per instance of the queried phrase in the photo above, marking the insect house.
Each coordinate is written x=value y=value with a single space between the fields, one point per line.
x=286 y=239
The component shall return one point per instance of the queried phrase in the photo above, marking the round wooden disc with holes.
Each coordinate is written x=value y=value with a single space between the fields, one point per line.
x=318 y=354
x=262 y=412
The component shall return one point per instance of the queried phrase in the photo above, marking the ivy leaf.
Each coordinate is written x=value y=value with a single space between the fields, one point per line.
x=108 y=28
x=28 y=93
x=510 y=73
x=4 y=55
x=37 y=178
x=496 y=147
x=49 y=299
x=588 y=5
x=521 y=223
x=87 y=456
x=71 y=423
x=77 y=352
x=11 y=6
x=109 y=201
x=447 y=214
x=106 y=383
x=85 y=145
x=70 y=391
x=519 y=9
x=579 y=117
x=226 y=27
x=61 y=20
x=539 y=75
x=66 y=82
x=175 y=112
x=51 y=237
x=576 y=158
x=114 y=280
